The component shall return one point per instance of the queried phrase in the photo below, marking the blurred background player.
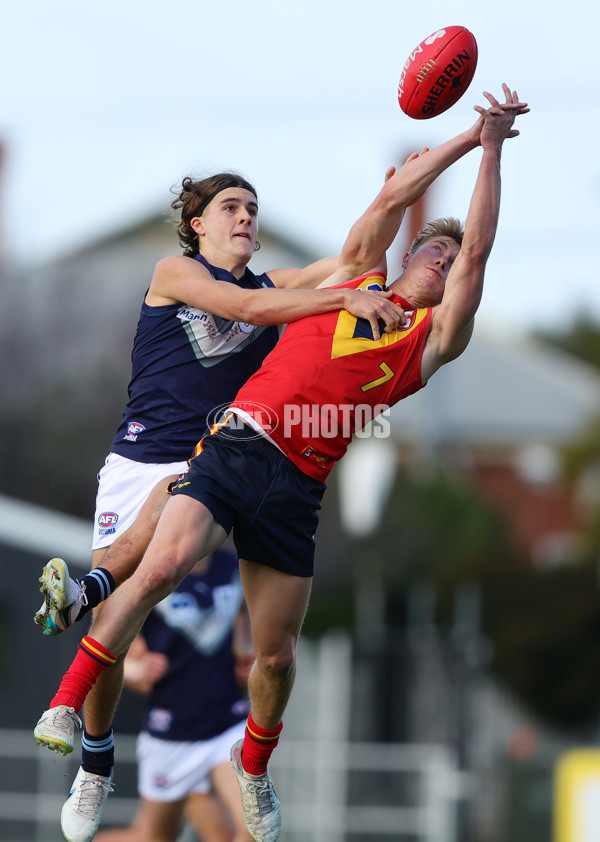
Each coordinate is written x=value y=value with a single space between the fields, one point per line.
x=192 y=657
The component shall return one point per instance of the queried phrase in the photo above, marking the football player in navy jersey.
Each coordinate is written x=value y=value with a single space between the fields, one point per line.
x=206 y=324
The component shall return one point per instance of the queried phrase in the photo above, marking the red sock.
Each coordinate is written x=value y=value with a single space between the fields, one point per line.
x=258 y=746
x=90 y=661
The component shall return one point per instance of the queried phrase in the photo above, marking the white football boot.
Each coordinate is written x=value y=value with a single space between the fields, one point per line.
x=56 y=729
x=82 y=811
x=63 y=598
x=260 y=805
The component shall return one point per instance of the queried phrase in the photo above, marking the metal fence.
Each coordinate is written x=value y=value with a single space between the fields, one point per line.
x=330 y=792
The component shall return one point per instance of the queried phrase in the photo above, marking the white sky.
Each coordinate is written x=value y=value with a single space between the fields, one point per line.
x=104 y=107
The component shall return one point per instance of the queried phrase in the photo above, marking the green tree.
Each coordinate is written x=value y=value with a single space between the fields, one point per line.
x=581 y=338
x=543 y=625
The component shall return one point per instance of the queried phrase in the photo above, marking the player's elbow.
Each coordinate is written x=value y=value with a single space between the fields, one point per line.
x=393 y=196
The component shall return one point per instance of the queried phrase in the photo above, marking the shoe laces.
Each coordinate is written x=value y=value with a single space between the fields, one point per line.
x=90 y=794
x=69 y=614
x=263 y=793
x=64 y=717
x=82 y=596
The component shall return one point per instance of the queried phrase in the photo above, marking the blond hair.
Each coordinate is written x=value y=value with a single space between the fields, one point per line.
x=448 y=226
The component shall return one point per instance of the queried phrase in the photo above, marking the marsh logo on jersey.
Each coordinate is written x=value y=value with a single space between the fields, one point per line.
x=190 y=314
x=213 y=338
x=134 y=428
x=107 y=522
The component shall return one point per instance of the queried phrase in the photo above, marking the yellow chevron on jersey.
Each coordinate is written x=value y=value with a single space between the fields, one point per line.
x=379 y=381
x=345 y=340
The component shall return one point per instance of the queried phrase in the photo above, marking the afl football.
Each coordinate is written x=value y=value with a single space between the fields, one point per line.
x=437 y=72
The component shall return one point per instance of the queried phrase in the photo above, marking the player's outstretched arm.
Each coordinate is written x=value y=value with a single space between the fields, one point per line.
x=316 y=273
x=374 y=232
x=453 y=319
x=181 y=279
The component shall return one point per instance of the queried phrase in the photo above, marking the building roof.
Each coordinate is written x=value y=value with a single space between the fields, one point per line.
x=44 y=531
x=503 y=391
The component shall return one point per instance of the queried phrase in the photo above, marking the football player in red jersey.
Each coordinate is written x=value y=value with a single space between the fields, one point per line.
x=245 y=481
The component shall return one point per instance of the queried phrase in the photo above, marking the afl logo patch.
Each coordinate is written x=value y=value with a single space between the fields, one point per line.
x=107 y=519
x=134 y=428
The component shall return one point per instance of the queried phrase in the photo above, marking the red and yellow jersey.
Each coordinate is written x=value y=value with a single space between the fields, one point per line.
x=327 y=378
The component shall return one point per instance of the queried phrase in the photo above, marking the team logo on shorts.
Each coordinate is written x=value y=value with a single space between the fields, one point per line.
x=134 y=428
x=107 y=522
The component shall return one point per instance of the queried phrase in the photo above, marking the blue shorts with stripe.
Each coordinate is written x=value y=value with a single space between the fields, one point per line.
x=253 y=488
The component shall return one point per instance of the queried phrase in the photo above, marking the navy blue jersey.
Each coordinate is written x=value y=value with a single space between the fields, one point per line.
x=198 y=698
x=185 y=364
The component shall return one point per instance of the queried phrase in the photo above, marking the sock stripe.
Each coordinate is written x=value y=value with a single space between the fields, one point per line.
x=98 y=753
x=265 y=741
x=259 y=744
x=96 y=651
x=264 y=738
x=89 y=744
x=103 y=582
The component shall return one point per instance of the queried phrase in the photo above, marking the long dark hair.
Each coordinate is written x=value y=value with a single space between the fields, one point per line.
x=194 y=197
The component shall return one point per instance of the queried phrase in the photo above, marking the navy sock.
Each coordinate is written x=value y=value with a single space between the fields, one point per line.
x=99 y=584
x=98 y=753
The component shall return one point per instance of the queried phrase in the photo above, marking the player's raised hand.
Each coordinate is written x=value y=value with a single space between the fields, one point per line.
x=499 y=117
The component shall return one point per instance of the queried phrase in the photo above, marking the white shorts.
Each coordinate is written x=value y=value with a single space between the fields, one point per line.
x=123 y=486
x=169 y=771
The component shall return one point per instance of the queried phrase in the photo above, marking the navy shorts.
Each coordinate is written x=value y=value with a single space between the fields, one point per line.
x=253 y=488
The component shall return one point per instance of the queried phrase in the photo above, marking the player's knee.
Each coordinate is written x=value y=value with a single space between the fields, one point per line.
x=162 y=580
x=278 y=665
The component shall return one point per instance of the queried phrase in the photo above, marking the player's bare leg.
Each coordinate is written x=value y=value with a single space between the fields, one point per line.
x=210 y=818
x=277 y=604
x=163 y=822
x=82 y=812
x=180 y=540
x=186 y=533
x=123 y=557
